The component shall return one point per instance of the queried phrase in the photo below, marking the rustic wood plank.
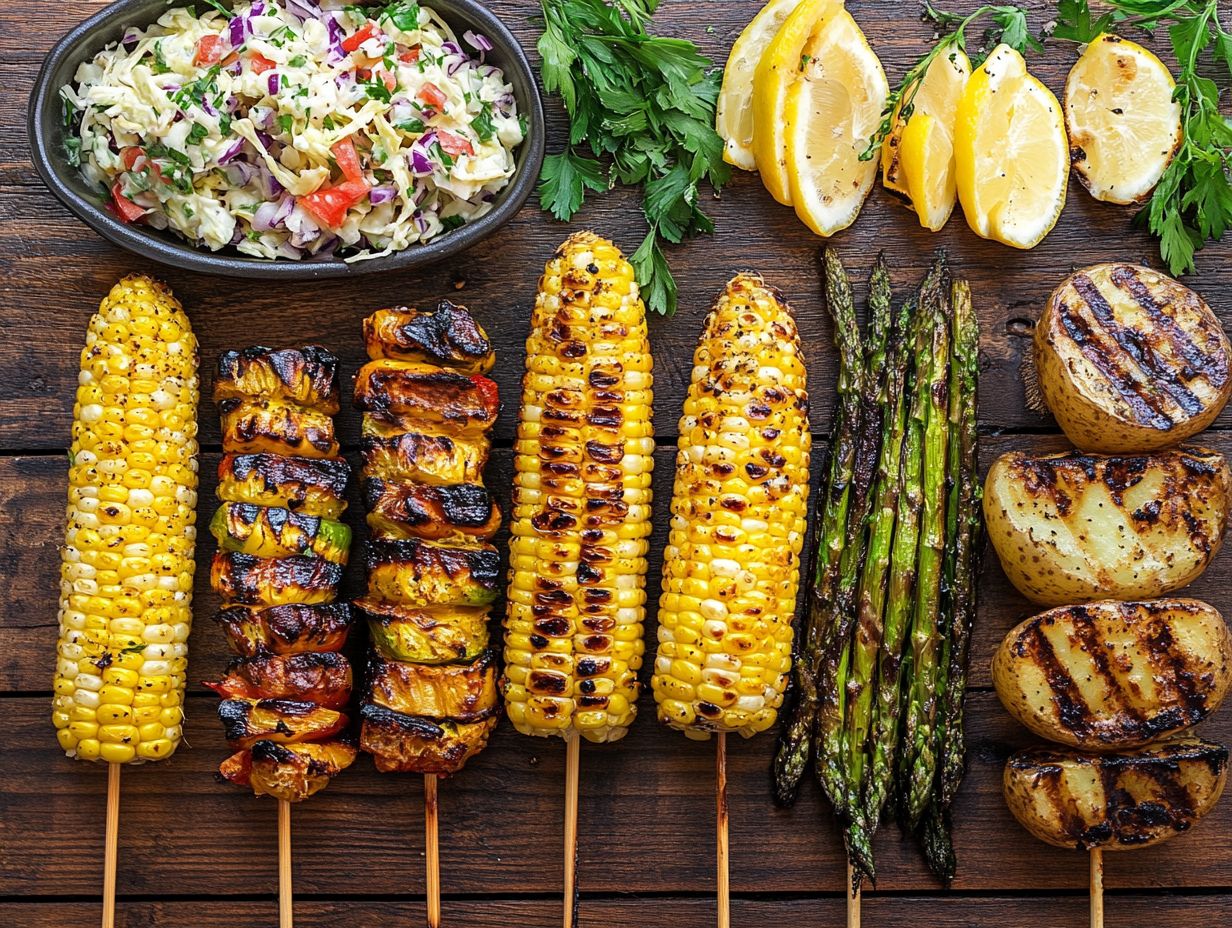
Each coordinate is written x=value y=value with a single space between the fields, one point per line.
x=1130 y=911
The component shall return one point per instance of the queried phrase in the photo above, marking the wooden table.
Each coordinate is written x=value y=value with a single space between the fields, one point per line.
x=196 y=853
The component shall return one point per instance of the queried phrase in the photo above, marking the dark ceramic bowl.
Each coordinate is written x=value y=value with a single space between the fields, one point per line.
x=46 y=127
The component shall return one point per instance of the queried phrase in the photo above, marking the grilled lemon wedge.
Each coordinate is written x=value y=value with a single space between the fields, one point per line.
x=938 y=95
x=1011 y=153
x=1124 y=126
x=831 y=111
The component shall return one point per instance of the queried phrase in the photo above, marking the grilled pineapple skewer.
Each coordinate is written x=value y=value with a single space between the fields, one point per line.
x=126 y=568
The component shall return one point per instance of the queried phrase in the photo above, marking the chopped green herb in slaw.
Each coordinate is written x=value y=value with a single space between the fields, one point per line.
x=291 y=128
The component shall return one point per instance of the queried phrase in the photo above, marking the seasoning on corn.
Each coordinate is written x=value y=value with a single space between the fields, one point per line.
x=126 y=569
x=581 y=498
x=732 y=563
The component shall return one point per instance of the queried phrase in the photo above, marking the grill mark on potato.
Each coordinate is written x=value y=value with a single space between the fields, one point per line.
x=1088 y=635
x=1072 y=710
x=1212 y=365
x=1167 y=661
x=1131 y=391
x=1138 y=346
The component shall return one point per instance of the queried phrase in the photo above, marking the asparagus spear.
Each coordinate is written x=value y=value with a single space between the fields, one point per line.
x=883 y=735
x=919 y=756
x=796 y=738
x=881 y=446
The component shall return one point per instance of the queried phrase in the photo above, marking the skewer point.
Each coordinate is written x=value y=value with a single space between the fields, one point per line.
x=572 y=763
x=286 y=917
x=1097 y=888
x=432 y=849
x=723 y=874
x=111 y=844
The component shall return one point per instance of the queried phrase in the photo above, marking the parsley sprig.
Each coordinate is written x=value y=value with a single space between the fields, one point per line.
x=1193 y=201
x=643 y=105
x=1009 y=26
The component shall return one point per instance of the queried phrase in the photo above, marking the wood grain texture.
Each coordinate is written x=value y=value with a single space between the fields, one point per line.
x=194 y=852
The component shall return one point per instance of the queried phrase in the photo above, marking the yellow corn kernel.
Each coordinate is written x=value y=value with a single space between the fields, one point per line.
x=581 y=501
x=731 y=568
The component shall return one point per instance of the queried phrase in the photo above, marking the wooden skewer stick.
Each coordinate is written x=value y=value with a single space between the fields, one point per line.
x=111 y=844
x=1097 y=888
x=285 y=917
x=723 y=874
x=572 y=760
x=432 y=849
x=853 y=899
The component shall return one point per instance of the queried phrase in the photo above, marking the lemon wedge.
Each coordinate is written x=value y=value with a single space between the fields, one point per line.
x=928 y=168
x=1011 y=152
x=734 y=112
x=1124 y=126
x=938 y=95
x=830 y=113
x=777 y=70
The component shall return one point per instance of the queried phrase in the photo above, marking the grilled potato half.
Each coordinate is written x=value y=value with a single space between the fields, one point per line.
x=1075 y=528
x=1115 y=801
x=1111 y=675
x=1129 y=360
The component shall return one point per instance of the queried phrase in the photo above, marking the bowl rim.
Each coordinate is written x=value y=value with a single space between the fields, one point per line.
x=53 y=167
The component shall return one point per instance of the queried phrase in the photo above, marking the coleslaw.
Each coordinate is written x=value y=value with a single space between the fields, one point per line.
x=288 y=128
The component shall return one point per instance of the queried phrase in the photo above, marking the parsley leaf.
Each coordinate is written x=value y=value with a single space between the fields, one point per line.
x=197 y=134
x=482 y=123
x=160 y=60
x=644 y=107
x=404 y=15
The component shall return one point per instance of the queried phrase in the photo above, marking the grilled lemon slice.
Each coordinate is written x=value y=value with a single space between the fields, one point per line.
x=831 y=111
x=1011 y=153
x=938 y=97
x=1124 y=126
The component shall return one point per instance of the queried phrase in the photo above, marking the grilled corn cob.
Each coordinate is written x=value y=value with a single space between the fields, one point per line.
x=581 y=498
x=731 y=568
x=126 y=570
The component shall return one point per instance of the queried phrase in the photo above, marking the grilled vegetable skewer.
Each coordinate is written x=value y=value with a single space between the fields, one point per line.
x=581 y=509
x=731 y=568
x=430 y=699
x=126 y=568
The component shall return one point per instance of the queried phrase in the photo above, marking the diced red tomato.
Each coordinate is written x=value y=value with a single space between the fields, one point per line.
x=487 y=389
x=411 y=55
x=126 y=209
x=432 y=95
x=329 y=206
x=454 y=144
x=353 y=41
x=261 y=64
x=134 y=159
x=348 y=160
x=364 y=74
x=391 y=82
x=209 y=50
x=129 y=156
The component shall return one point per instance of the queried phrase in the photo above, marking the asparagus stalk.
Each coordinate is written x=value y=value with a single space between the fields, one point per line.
x=883 y=734
x=882 y=446
x=796 y=738
x=919 y=755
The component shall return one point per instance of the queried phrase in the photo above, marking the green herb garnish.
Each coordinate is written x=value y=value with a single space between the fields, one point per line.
x=413 y=126
x=404 y=15
x=482 y=123
x=197 y=134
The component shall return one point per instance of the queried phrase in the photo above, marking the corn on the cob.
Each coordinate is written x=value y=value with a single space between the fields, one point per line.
x=126 y=570
x=581 y=498
x=732 y=563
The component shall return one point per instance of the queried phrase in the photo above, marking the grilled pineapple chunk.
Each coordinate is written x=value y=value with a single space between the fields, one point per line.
x=288 y=629
x=449 y=336
x=461 y=692
x=247 y=721
x=1073 y=528
x=288 y=771
x=1115 y=675
x=451 y=513
x=271 y=426
x=433 y=635
x=1129 y=360
x=1115 y=801
x=411 y=744
x=435 y=460
x=311 y=486
x=305 y=376
x=260 y=581
x=269 y=531
x=415 y=573
x=323 y=677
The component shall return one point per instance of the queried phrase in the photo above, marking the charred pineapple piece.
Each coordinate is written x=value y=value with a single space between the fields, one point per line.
x=400 y=397
x=461 y=692
x=416 y=573
x=402 y=743
x=432 y=635
x=320 y=677
x=311 y=486
x=449 y=336
x=247 y=721
x=412 y=457
x=269 y=531
x=306 y=376
x=436 y=513
x=257 y=426
x=260 y=581
x=288 y=771
x=253 y=631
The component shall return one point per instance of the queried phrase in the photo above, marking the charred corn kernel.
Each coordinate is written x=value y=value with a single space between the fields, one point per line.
x=729 y=582
x=124 y=589
x=581 y=500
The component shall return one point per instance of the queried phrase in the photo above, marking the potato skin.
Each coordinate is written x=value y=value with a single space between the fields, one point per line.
x=1112 y=676
x=1130 y=361
x=1115 y=801
x=1075 y=528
